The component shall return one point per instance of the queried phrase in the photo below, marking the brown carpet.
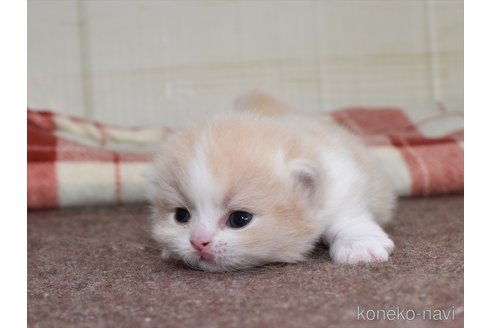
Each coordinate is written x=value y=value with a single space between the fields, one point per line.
x=95 y=268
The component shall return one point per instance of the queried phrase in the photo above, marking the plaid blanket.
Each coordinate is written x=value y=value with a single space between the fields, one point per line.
x=72 y=161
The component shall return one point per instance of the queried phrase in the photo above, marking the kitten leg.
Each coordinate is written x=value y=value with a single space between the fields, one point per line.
x=358 y=239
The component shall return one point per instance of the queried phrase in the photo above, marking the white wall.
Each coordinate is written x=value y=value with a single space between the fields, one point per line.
x=167 y=62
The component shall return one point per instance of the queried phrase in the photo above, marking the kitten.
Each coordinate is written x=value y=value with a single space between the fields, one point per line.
x=264 y=185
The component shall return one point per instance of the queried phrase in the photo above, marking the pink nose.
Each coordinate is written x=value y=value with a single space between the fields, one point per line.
x=199 y=244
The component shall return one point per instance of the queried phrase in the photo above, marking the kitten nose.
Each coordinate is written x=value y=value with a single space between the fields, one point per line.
x=199 y=244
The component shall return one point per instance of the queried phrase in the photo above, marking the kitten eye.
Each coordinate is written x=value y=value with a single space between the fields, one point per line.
x=182 y=215
x=239 y=219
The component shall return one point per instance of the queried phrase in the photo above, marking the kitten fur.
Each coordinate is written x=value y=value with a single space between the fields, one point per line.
x=303 y=179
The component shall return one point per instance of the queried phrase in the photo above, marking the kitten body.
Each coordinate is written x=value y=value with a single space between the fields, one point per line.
x=302 y=179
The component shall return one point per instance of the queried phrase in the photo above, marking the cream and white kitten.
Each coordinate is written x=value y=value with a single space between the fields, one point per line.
x=264 y=185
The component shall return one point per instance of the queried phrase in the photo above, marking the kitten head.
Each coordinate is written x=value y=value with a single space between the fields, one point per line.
x=238 y=193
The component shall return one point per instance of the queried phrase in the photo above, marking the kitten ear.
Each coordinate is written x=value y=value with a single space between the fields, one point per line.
x=305 y=177
x=262 y=103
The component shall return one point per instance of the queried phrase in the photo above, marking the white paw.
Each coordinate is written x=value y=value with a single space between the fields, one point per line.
x=364 y=249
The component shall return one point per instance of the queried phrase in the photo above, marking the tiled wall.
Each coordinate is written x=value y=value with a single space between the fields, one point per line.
x=167 y=62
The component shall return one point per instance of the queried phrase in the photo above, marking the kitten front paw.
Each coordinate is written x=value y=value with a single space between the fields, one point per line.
x=366 y=249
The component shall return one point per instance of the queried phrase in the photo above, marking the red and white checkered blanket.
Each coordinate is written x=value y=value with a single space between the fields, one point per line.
x=74 y=162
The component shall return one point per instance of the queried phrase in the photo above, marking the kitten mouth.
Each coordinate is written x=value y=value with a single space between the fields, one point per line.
x=207 y=257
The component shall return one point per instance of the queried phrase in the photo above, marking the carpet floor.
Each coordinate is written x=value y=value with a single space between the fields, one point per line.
x=95 y=267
